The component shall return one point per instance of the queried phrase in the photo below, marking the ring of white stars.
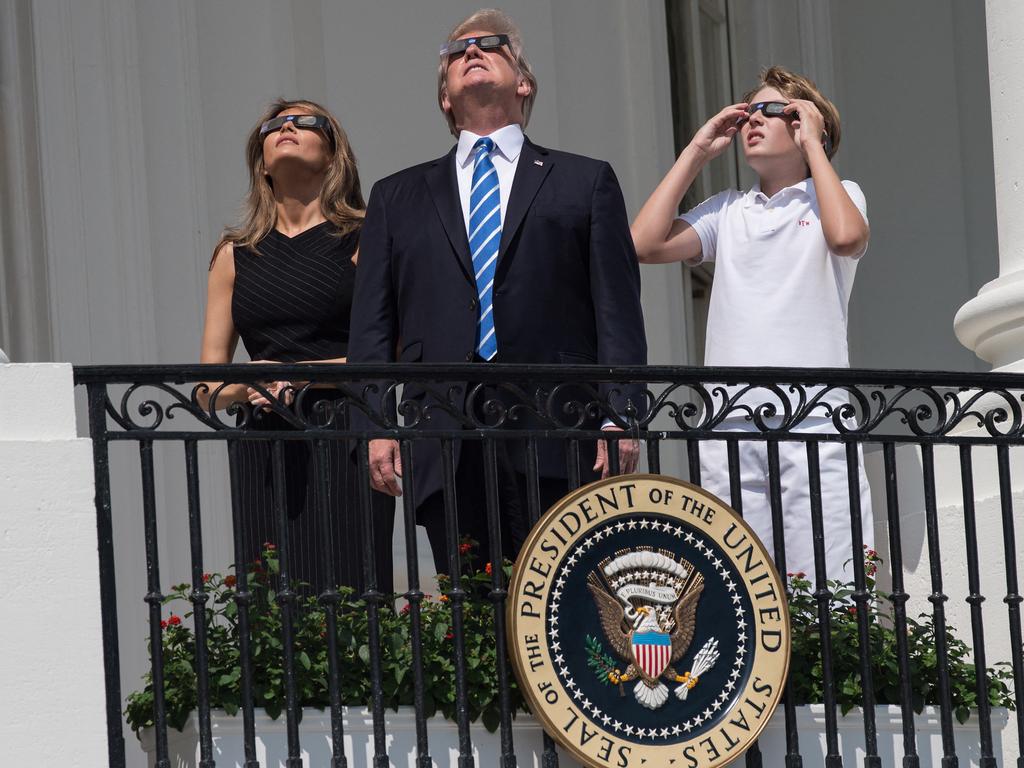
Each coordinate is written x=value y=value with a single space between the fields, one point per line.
x=715 y=562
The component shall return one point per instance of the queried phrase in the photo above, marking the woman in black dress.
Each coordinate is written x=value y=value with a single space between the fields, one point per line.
x=282 y=281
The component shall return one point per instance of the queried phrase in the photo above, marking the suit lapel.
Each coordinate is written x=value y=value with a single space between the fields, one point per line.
x=534 y=165
x=444 y=190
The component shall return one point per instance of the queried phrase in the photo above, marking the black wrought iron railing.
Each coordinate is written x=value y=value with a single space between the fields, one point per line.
x=673 y=411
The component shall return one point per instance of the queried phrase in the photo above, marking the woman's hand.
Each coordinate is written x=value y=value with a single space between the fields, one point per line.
x=714 y=137
x=809 y=126
x=282 y=391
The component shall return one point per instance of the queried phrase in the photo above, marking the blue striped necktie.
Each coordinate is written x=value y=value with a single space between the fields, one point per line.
x=484 y=239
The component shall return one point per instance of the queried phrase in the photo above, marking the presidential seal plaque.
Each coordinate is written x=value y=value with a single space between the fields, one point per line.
x=648 y=626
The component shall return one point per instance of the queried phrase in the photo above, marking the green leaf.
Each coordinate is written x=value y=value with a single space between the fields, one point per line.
x=491 y=718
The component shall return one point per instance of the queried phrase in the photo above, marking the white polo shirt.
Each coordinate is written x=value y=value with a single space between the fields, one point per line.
x=779 y=296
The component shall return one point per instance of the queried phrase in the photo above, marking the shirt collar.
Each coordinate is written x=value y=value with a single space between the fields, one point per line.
x=508 y=142
x=755 y=194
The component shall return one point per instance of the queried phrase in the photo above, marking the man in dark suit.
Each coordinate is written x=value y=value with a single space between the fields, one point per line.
x=500 y=251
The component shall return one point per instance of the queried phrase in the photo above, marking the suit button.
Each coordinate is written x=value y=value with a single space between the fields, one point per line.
x=469 y=357
x=473 y=304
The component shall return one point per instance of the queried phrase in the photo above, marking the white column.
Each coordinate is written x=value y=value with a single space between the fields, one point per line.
x=992 y=323
x=51 y=649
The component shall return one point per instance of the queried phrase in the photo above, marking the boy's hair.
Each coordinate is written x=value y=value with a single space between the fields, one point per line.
x=794 y=86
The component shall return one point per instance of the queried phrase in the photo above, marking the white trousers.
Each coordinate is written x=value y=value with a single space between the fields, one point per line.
x=796 y=496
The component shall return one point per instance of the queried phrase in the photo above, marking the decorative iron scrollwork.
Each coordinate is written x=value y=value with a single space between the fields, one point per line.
x=919 y=409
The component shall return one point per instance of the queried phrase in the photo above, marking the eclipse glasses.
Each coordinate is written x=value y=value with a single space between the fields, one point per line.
x=768 y=109
x=309 y=122
x=777 y=109
x=484 y=43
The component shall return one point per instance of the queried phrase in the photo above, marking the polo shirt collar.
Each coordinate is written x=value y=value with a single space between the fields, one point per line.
x=508 y=141
x=755 y=195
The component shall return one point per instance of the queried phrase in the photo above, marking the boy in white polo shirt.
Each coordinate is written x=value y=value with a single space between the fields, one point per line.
x=785 y=255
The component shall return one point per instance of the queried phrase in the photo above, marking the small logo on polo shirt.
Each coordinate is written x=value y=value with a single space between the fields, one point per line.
x=803 y=223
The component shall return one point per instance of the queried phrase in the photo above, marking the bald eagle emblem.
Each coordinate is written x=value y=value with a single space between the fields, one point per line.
x=647 y=601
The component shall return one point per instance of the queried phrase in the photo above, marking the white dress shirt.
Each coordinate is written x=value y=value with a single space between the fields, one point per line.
x=508 y=142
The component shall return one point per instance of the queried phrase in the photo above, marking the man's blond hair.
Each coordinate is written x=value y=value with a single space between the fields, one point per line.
x=794 y=86
x=498 y=23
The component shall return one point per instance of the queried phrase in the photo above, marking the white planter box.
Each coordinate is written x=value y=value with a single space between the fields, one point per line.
x=889 y=727
x=272 y=744
x=315 y=738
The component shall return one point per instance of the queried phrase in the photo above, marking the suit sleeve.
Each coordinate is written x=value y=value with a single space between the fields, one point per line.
x=372 y=330
x=615 y=282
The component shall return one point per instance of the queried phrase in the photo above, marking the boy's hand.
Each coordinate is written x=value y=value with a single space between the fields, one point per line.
x=809 y=125
x=714 y=137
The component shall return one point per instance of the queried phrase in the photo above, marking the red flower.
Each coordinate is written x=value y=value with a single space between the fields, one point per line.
x=406 y=608
x=852 y=610
x=163 y=625
x=174 y=620
x=230 y=581
x=488 y=569
x=206 y=577
x=449 y=636
x=801 y=575
x=465 y=548
x=269 y=545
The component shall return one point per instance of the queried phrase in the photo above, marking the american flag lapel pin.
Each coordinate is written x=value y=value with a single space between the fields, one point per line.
x=538 y=162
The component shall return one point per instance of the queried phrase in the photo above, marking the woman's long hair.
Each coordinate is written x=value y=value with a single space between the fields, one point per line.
x=341 y=199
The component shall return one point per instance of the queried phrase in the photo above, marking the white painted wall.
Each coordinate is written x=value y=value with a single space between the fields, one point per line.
x=51 y=653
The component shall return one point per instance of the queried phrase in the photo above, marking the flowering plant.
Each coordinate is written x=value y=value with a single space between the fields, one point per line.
x=310 y=648
x=806 y=672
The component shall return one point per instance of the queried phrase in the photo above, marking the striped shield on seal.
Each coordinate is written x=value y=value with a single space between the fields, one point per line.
x=652 y=651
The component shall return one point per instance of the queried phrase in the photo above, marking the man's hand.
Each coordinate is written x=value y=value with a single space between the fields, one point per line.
x=809 y=125
x=714 y=137
x=629 y=454
x=385 y=466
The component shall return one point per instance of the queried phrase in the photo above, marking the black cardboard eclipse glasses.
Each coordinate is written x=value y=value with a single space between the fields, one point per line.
x=309 y=122
x=484 y=43
x=768 y=109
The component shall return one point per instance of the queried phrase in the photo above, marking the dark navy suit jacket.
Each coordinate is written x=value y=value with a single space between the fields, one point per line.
x=567 y=286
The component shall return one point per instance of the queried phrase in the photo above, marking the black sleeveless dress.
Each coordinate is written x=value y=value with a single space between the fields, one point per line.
x=291 y=302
